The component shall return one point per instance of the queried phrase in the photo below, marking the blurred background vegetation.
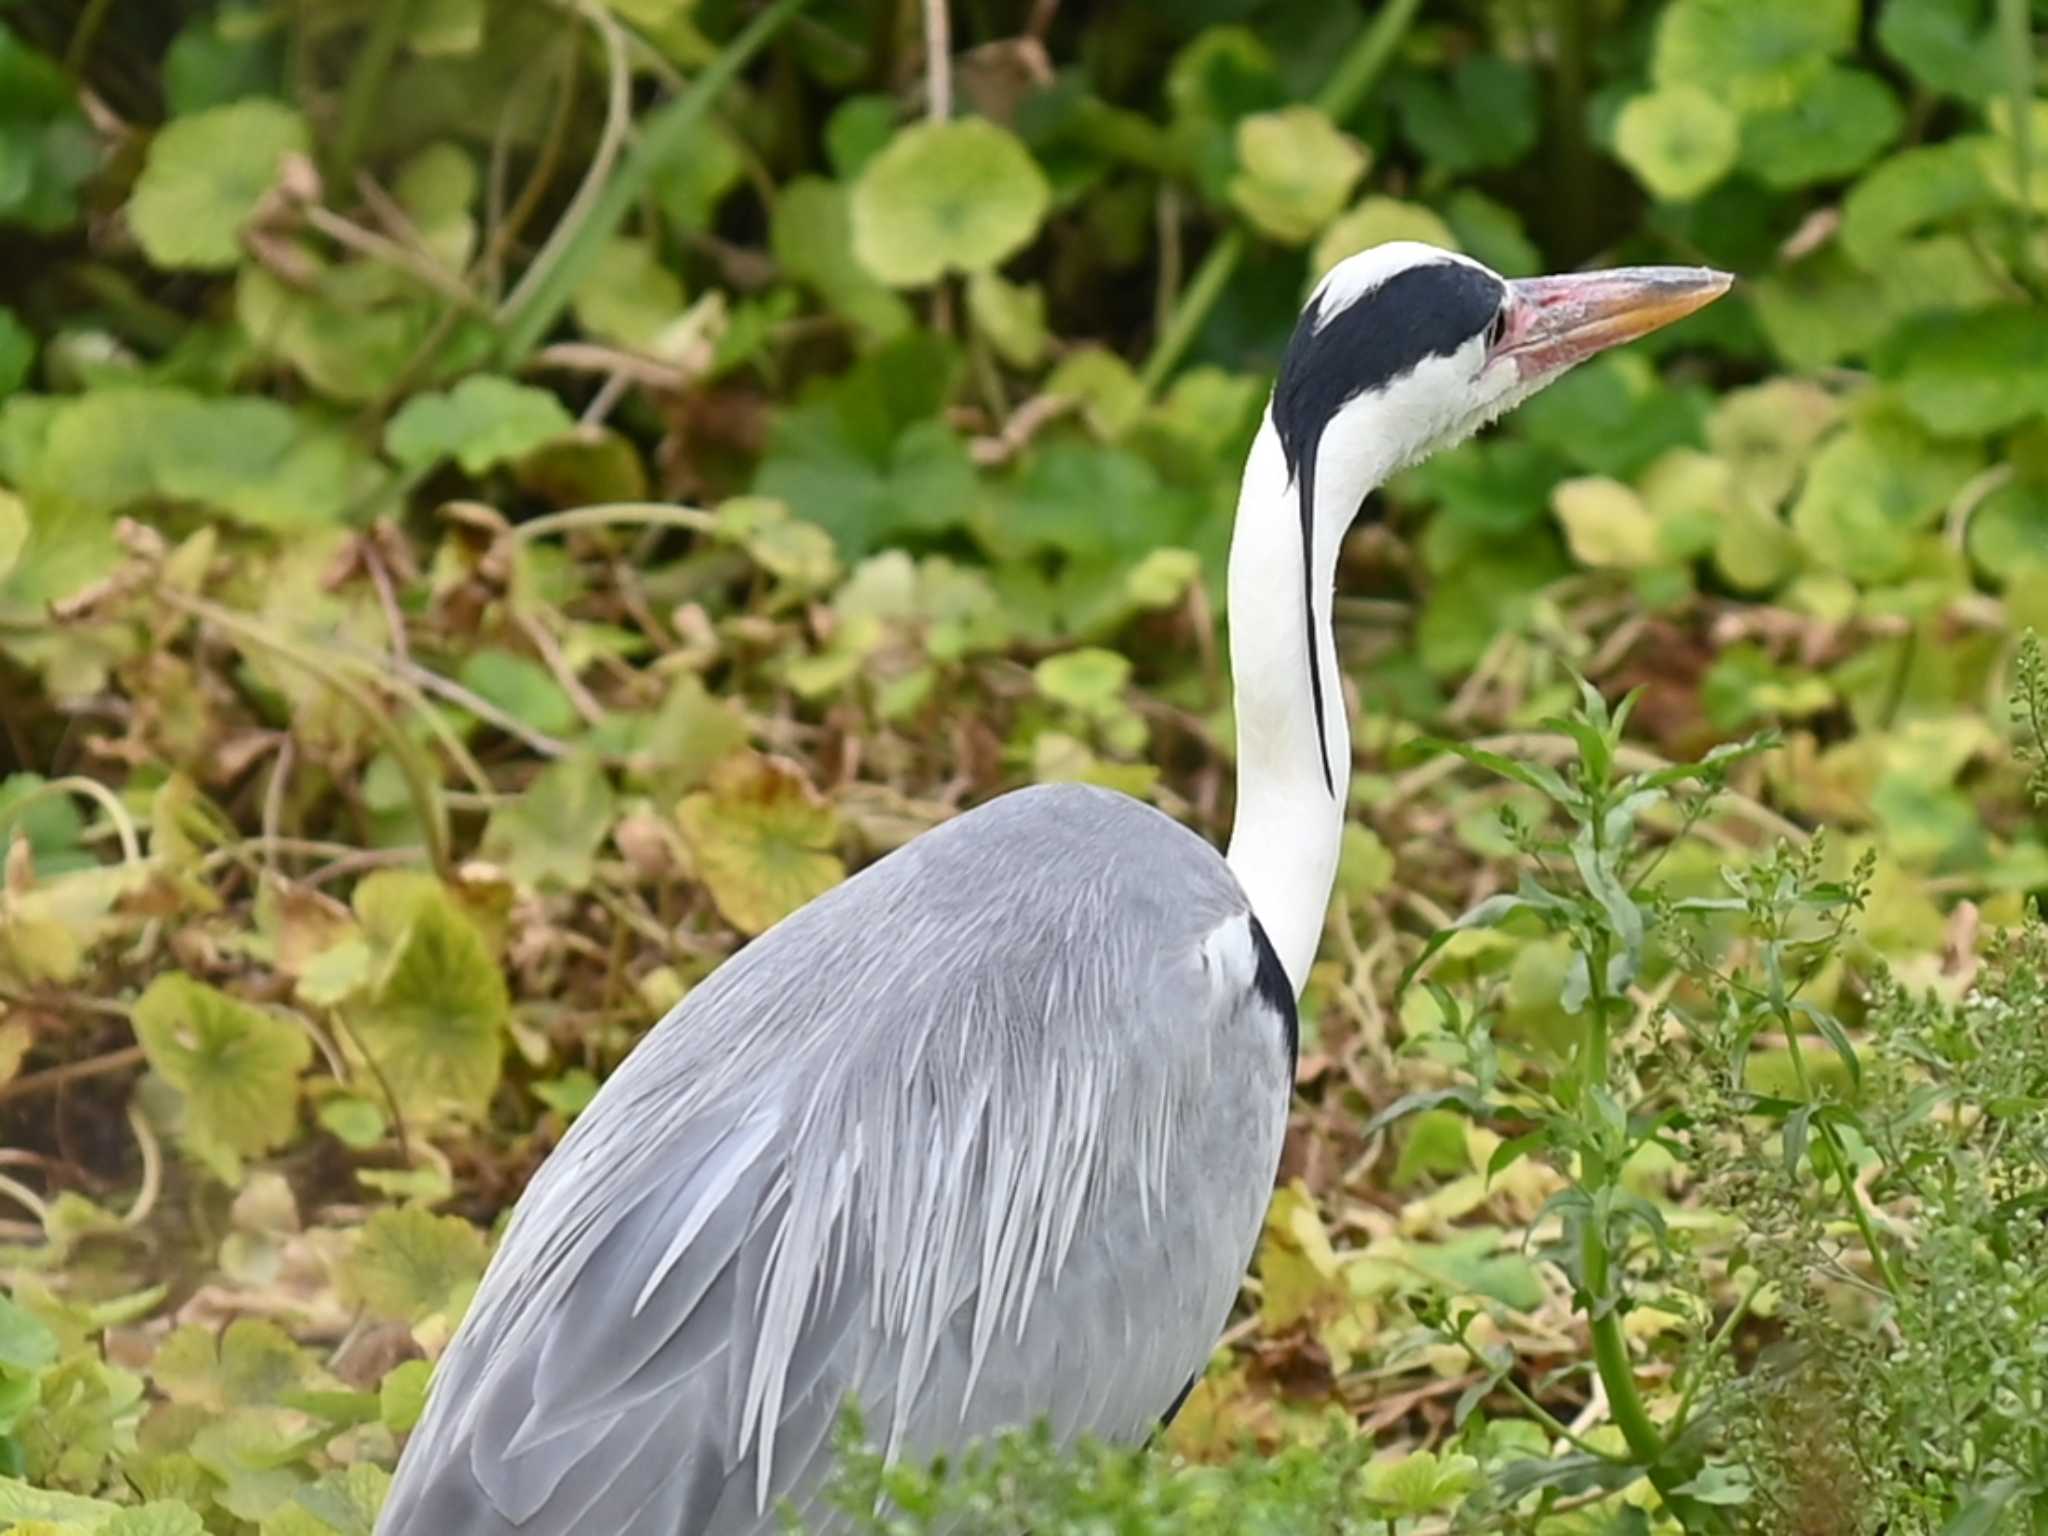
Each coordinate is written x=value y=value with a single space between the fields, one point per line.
x=500 y=500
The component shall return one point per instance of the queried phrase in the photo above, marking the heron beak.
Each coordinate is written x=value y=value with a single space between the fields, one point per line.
x=1554 y=322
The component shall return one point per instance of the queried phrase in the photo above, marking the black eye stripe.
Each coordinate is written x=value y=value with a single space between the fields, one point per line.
x=1420 y=312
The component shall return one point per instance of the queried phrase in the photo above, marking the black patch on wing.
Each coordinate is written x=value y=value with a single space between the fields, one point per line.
x=1420 y=312
x=1173 y=1408
x=1270 y=983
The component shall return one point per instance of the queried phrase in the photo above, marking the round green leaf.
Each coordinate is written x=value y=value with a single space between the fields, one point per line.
x=1834 y=128
x=204 y=177
x=1294 y=172
x=1606 y=523
x=1949 y=46
x=1751 y=53
x=235 y=1065
x=1678 y=140
x=2009 y=531
x=1968 y=374
x=630 y=297
x=1870 y=490
x=812 y=236
x=946 y=197
x=1911 y=190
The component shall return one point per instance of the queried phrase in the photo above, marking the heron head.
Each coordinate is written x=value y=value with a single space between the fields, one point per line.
x=1404 y=349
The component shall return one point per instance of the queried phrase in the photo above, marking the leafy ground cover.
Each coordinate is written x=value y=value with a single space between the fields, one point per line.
x=501 y=501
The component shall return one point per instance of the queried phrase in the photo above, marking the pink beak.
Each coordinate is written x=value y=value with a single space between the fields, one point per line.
x=1554 y=322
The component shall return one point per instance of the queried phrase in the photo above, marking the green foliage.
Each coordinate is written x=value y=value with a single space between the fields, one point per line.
x=499 y=503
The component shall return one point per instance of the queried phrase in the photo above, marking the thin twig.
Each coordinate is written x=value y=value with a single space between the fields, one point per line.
x=152 y=1167
x=71 y=1072
x=618 y=119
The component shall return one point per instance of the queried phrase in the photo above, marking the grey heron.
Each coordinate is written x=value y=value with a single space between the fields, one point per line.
x=985 y=1135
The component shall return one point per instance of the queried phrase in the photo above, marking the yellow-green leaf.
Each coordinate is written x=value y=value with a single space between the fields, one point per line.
x=236 y=1066
x=1679 y=140
x=1294 y=171
x=761 y=838
x=410 y=1264
x=1606 y=523
x=435 y=1024
x=946 y=197
x=204 y=176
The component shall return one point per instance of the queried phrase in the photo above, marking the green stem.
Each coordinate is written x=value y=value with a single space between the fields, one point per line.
x=366 y=90
x=1714 y=1347
x=83 y=36
x=1366 y=58
x=662 y=135
x=1610 y=1343
x=1556 y=1427
x=1196 y=300
x=1836 y=1158
x=2017 y=34
x=1361 y=65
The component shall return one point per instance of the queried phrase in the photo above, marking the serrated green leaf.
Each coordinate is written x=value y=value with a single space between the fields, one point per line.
x=408 y=1264
x=236 y=1067
x=762 y=839
x=435 y=1024
x=484 y=421
x=866 y=458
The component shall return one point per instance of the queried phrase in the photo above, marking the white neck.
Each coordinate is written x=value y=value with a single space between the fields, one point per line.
x=1290 y=818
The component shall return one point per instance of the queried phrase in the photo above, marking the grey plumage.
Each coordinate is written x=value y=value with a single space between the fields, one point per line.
x=984 y=1135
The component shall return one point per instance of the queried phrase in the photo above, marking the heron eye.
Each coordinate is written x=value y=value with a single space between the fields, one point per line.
x=1499 y=329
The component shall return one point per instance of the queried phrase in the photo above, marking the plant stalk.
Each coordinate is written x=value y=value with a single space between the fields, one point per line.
x=2016 y=33
x=1361 y=65
x=662 y=135
x=366 y=90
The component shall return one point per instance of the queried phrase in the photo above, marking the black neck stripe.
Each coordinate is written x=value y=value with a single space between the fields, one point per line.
x=1305 y=482
x=1420 y=312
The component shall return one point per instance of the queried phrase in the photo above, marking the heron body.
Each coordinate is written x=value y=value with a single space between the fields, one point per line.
x=985 y=1135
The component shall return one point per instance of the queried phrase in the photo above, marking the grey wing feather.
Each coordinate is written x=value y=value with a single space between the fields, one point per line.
x=984 y=1135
